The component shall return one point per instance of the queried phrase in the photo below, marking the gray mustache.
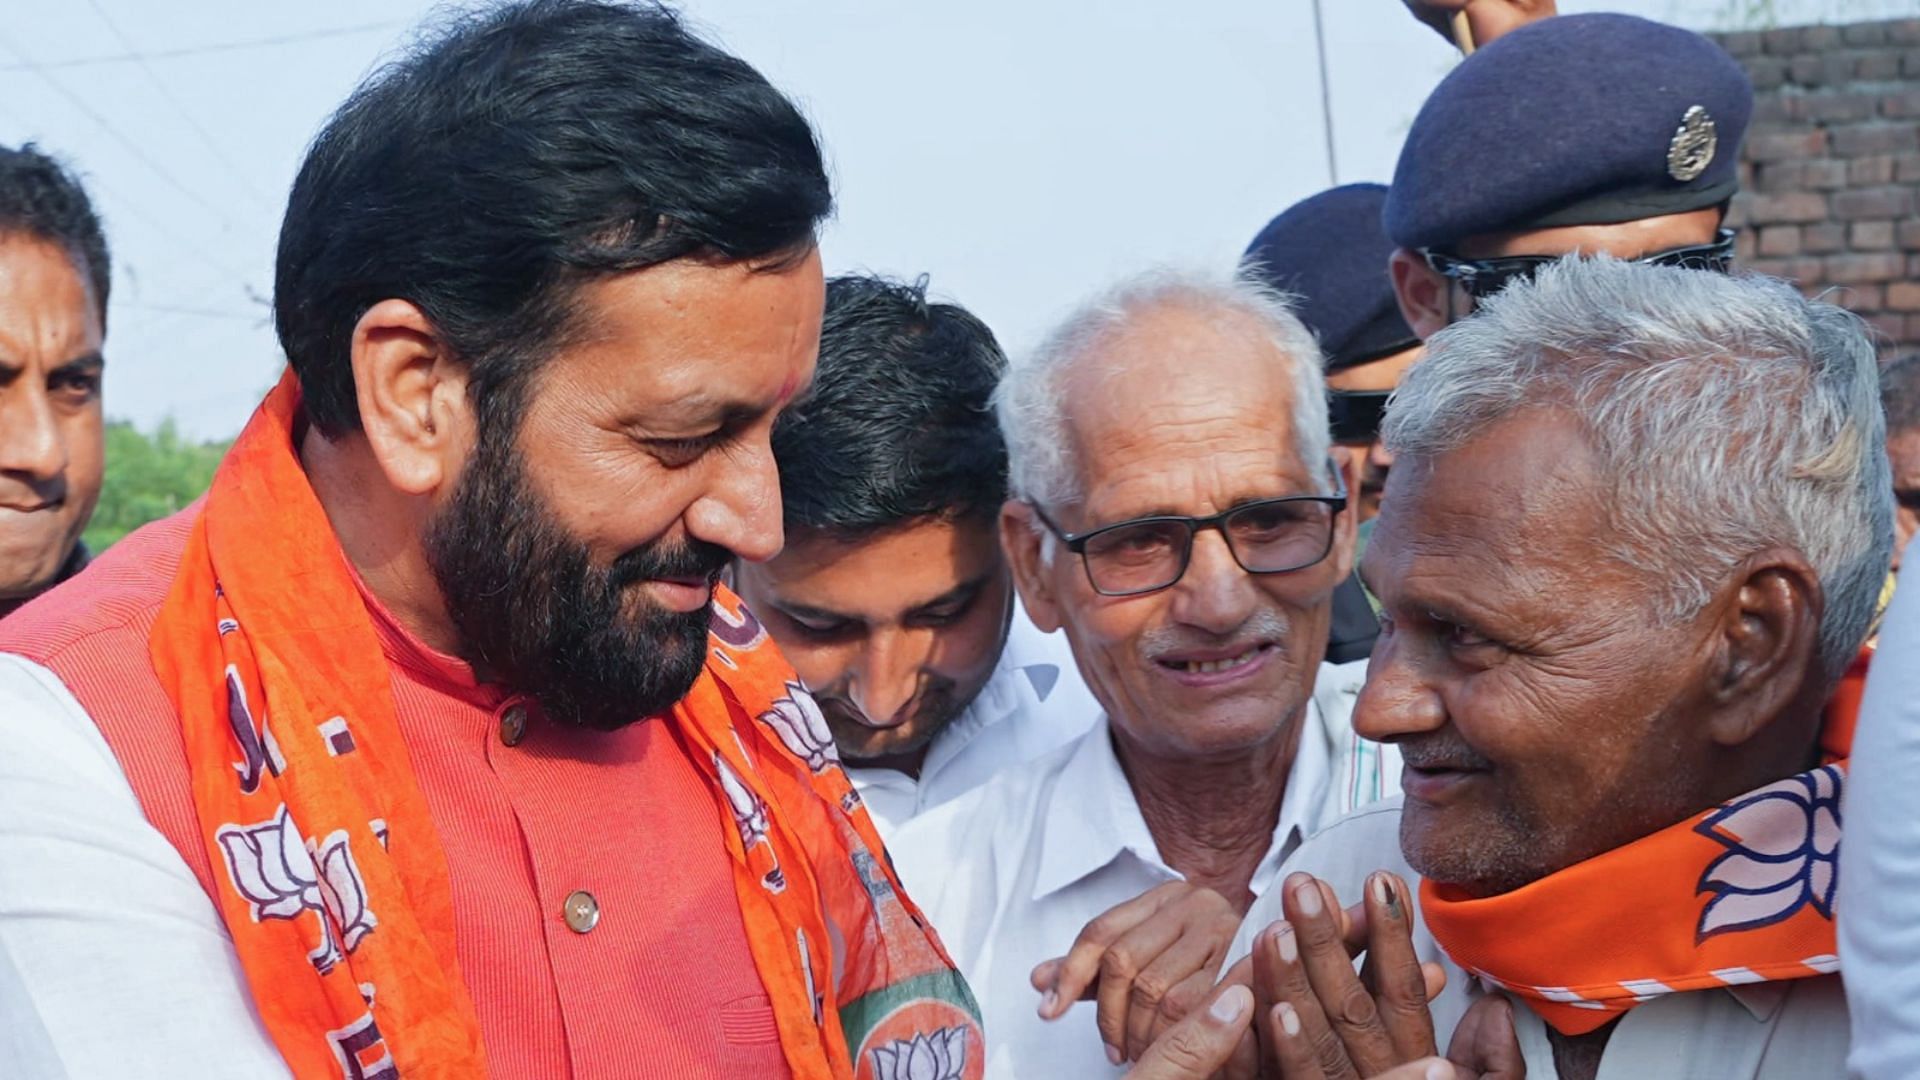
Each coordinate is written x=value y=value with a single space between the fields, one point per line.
x=1264 y=625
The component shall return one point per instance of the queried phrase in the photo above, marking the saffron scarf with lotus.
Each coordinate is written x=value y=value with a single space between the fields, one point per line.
x=1742 y=893
x=335 y=886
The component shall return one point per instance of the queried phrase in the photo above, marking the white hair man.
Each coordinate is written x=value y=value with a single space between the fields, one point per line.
x=1636 y=530
x=1175 y=512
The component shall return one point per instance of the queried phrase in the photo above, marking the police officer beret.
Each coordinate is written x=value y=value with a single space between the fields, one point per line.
x=1572 y=120
x=1331 y=253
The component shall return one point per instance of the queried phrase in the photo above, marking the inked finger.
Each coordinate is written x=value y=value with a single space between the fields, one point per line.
x=1397 y=982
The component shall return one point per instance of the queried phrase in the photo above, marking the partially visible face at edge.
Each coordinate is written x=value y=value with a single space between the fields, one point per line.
x=1384 y=373
x=579 y=550
x=1544 y=713
x=51 y=429
x=896 y=633
x=1903 y=451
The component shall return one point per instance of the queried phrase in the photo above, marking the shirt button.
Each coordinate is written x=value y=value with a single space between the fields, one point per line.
x=513 y=725
x=582 y=911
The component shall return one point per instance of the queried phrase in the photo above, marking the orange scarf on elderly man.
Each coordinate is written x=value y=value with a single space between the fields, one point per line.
x=336 y=890
x=1742 y=893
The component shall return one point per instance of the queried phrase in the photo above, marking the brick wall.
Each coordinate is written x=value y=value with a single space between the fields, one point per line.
x=1831 y=177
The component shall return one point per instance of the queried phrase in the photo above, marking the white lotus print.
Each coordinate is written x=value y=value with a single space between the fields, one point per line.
x=941 y=1055
x=796 y=718
x=1783 y=853
x=273 y=869
x=750 y=817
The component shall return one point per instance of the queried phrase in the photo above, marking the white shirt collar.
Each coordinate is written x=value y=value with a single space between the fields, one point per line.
x=1092 y=819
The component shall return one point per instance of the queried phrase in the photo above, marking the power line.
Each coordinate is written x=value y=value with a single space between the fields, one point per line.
x=132 y=147
x=133 y=56
x=233 y=170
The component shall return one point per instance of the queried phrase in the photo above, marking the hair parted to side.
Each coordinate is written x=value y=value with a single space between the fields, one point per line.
x=898 y=427
x=1034 y=412
x=1731 y=414
x=1900 y=393
x=515 y=154
x=39 y=198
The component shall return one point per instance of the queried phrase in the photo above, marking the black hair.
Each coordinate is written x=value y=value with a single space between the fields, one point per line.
x=516 y=155
x=41 y=199
x=1900 y=393
x=899 y=427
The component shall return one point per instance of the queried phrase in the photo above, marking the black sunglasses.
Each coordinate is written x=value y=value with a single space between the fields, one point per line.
x=1482 y=278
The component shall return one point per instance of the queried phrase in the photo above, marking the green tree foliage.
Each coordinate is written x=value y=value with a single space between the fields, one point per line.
x=148 y=477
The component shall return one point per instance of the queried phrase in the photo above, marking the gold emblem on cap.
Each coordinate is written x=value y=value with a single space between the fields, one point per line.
x=1693 y=145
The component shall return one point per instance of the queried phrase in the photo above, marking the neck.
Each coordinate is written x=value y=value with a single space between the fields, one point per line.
x=379 y=530
x=1213 y=818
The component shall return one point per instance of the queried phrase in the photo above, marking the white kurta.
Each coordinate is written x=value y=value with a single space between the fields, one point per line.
x=1012 y=872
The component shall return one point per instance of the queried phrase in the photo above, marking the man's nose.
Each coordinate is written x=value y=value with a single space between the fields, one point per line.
x=741 y=509
x=1215 y=594
x=888 y=674
x=1395 y=702
x=31 y=448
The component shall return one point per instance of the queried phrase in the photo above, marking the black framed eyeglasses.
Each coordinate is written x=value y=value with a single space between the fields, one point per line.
x=1482 y=278
x=1147 y=554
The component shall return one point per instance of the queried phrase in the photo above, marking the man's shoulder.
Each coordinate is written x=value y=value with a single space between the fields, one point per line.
x=119 y=591
x=1010 y=797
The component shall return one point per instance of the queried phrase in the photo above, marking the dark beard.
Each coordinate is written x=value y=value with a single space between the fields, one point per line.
x=533 y=610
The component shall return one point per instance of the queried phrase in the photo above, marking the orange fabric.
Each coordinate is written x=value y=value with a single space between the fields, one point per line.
x=1740 y=894
x=335 y=888
x=1843 y=709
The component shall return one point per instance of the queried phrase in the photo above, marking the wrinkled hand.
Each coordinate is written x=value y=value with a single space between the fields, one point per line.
x=1318 y=1019
x=1148 y=963
x=1200 y=1044
x=1488 y=18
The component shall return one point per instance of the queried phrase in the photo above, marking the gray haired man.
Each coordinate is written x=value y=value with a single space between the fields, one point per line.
x=1176 y=513
x=1636 y=530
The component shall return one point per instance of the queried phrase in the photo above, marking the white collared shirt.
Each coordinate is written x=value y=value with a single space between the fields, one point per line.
x=1034 y=702
x=1010 y=874
x=1767 y=1031
x=1879 y=904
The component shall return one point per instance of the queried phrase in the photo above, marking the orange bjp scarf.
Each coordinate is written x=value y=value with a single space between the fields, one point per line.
x=335 y=888
x=1742 y=893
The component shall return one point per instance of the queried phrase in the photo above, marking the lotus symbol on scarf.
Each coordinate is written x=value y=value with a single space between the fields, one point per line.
x=272 y=868
x=1783 y=851
x=939 y=1056
x=796 y=718
x=748 y=815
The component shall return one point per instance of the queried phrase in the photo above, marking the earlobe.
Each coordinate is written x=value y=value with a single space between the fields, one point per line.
x=1021 y=544
x=411 y=395
x=1421 y=292
x=1769 y=632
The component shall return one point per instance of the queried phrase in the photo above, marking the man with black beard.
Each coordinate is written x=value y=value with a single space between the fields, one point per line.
x=425 y=745
x=891 y=598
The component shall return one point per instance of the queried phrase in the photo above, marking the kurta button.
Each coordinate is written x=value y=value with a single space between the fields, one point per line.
x=513 y=726
x=582 y=911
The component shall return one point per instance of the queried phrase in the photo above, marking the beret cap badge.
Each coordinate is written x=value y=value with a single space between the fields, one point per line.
x=1693 y=145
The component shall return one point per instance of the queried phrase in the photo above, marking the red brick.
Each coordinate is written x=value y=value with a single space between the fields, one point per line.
x=1902 y=104
x=1791 y=145
x=1870 y=171
x=1823 y=238
x=1865 y=139
x=1913 y=266
x=1823 y=174
x=1904 y=32
x=1909 y=234
x=1859 y=34
x=1794 y=206
x=1784 y=107
x=1743 y=43
x=1904 y=296
x=1819 y=38
x=1774 y=177
x=1859 y=299
x=1780 y=240
x=1768 y=73
x=1871 y=236
x=1813 y=69
x=1845 y=106
x=1865 y=268
x=1912 y=336
x=1782 y=42
x=1869 y=203
x=1906 y=169
x=1910 y=64
x=1887 y=326
x=1880 y=65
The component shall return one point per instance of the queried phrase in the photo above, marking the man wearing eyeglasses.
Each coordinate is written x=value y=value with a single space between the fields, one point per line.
x=1590 y=133
x=1176 y=513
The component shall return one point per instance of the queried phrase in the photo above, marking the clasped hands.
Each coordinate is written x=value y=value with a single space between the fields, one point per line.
x=1295 y=1009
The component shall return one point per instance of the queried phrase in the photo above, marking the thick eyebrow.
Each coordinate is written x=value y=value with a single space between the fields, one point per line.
x=90 y=364
x=966 y=590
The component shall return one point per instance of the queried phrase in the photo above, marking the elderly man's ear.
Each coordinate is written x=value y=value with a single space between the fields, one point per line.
x=1023 y=537
x=1767 y=643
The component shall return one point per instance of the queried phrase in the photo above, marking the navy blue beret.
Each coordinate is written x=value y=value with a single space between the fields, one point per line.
x=1572 y=120
x=1331 y=253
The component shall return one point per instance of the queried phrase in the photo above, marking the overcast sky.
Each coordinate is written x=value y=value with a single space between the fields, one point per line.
x=1021 y=152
